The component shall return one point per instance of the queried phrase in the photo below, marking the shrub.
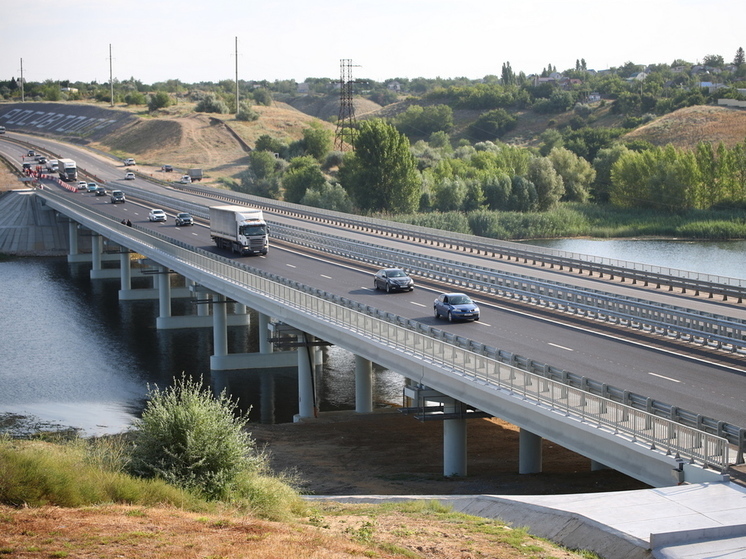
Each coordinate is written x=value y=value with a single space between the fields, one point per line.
x=193 y=440
x=211 y=104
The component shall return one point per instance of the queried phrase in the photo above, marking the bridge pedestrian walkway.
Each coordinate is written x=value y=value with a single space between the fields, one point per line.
x=698 y=521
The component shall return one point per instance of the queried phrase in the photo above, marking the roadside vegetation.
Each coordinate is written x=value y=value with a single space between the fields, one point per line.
x=190 y=481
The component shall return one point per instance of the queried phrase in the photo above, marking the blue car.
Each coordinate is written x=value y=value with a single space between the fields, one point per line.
x=455 y=306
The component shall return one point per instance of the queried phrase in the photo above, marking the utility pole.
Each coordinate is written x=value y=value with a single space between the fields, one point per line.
x=237 y=78
x=346 y=120
x=23 y=98
x=111 y=76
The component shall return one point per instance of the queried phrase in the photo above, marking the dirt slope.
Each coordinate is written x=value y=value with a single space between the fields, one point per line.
x=687 y=127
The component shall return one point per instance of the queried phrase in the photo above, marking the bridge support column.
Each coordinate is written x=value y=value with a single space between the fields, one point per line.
x=454 y=442
x=125 y=271
x=72 y=231
x=265 y=346
x=164 y=293
x=97 y=250
x=219 y=326
x=306 y=403
x=529 y=452
x=363 y=385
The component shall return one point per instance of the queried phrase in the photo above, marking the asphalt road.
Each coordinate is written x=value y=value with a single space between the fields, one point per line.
x=675 y=375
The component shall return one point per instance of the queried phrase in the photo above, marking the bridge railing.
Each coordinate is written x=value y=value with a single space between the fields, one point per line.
x=637 y=313
x=635 y=271
x=638 y=426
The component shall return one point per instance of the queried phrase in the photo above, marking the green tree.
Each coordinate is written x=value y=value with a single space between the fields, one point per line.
x=265 y=142
x=420 y=122
x=193 y=440
x=262 y=163
x=302 y=174
x=381 y=174
x=740 y=57
x=211 y=103
x=159 y=100
x=262 y=97
x=492 y=125
x=449 y=195
x=329 y=196
x=547 y=182
x=605 y=159
x=577 y=174
x=317 y=141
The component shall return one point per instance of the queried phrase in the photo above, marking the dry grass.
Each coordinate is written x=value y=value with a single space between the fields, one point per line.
x=333 y=531
x=687 y=127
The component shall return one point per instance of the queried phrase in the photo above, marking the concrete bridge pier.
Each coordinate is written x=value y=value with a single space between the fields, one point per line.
x=219 y=326
x=265 y=346
x=306 y=388
x=363 y=385
x=454 y=440
x=72 y=234
x=125 y=272
x=529 y=452
x=97 y=251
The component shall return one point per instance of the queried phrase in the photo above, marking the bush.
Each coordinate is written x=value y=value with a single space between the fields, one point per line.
x=246 y=113
x=211 y=104
x=193 y=440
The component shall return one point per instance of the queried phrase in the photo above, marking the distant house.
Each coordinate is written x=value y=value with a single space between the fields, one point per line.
x=594 y=96
x=69 y=89
x=394 y=86
x=303 y=88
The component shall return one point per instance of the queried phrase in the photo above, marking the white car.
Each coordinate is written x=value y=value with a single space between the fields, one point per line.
x=82 y=185
x=129 y=176
x=129 y=161
x=157 y=215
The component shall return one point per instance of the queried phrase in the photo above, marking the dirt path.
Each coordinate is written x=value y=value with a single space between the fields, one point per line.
x=387 y=453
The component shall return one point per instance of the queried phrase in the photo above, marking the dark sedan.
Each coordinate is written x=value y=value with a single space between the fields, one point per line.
x=393 y=279
x=455 y=306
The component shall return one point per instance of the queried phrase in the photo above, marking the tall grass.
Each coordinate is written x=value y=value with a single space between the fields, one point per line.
x=84 y=472
x=587 y=220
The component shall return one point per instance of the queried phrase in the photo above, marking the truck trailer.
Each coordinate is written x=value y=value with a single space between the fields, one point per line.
x=67 y=169
x=240 y=229
x=194 y=174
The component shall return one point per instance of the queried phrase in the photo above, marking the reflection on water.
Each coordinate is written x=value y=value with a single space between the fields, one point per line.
x=724 y=258
x=72 y=353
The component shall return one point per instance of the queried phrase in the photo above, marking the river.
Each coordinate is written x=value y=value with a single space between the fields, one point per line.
x=73 y=355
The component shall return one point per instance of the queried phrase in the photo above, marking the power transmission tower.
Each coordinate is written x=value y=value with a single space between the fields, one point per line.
x=346 y=121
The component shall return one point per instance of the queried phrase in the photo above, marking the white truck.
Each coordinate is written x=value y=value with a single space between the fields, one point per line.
x=53 y=165
x=240 y=229
x=67 y=169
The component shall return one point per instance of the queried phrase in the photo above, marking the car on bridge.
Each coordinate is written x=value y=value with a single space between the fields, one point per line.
x=184 y=218
x=393 y=279
x=157 y=215
x=455 y=306
x=129 y=161
x=117 y=197
x=101 y=191
x=82 y=185
x=91 y=187
x=129 y=176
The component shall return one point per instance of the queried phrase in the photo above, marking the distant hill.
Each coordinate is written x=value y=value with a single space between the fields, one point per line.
x=687 y=127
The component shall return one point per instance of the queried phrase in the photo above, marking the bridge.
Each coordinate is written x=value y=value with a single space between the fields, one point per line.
x=451 y=376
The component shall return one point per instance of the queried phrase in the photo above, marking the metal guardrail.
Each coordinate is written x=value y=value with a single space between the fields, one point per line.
x=736 y=435
x=411 y=338
x=599 y=305
x=687 y=280
x=680 y=322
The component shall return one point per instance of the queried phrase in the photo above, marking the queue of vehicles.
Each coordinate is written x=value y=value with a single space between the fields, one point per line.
x=243 y=230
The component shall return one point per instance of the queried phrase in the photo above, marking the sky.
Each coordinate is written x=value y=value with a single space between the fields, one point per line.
x=195 y=40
